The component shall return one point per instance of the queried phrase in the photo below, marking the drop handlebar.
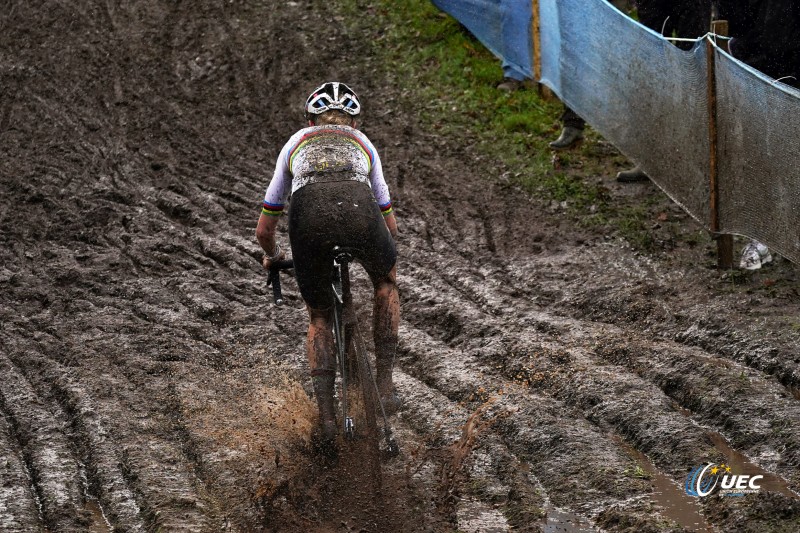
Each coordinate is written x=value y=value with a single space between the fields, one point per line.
x=274 y=278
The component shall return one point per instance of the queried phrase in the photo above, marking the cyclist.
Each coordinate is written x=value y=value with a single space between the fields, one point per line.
x=338 y=198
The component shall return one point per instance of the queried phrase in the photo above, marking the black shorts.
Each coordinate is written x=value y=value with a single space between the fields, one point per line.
x=340 y=213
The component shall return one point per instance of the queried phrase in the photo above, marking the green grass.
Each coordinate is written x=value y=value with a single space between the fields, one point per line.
x=452 y=79
x=636 y=471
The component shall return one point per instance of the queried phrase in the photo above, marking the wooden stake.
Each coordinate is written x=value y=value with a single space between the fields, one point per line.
x=536 y=38
x=724 y=242
x=720 y=27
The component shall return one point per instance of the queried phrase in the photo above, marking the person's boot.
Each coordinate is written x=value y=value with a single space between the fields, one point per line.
x=323 y=381
x=384 y=361
x=510 y=85
x=632 y=176
x=569 y=136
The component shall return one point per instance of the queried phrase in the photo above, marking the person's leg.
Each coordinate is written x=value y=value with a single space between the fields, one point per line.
x=513 y=79
x=571 y=119
x=386 y=319
x=322 y=362
x=632 y=175
x=572 y=131
x=516 y=45
x=363 y=232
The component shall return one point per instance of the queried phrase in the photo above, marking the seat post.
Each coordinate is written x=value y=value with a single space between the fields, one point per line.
x=341 y=278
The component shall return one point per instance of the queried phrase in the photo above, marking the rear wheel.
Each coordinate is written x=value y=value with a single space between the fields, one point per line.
x=363 y=379
x=362 y=398
x=365 y=408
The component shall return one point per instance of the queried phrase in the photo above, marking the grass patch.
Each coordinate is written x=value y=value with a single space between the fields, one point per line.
x=450 y=78
x=636 y=472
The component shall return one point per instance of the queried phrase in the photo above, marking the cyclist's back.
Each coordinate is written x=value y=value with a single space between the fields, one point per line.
x=339 y=195
x=333 y=152
x=339 y=198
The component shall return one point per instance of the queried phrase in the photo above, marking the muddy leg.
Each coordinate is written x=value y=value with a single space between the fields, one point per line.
x=386 y=318
x=319 y=346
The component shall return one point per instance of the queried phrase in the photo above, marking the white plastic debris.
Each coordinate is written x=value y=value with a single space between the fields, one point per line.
x=754 y=256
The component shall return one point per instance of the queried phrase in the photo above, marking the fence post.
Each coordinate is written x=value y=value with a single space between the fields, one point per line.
x=724 y=242
x=536 y=42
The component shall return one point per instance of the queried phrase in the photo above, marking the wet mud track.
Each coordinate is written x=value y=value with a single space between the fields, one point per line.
x=552 y=380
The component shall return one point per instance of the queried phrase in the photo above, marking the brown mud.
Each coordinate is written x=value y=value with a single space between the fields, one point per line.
x=553 y=379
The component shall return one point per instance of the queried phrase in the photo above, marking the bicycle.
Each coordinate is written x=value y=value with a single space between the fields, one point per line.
x=351 y=354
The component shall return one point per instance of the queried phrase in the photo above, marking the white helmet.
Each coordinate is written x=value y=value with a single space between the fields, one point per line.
x=332 y=95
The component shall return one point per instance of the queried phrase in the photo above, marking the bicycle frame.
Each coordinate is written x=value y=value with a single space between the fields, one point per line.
x=341 y=293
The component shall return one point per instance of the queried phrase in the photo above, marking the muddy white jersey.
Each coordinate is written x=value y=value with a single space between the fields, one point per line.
x=322 y=154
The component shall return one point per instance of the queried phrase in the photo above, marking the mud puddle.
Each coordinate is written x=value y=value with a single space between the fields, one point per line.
x=560 y=521
x=740 y=464
x=98 y=521
x=676 y=505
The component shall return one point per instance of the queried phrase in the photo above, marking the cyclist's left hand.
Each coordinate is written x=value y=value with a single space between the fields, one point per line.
x=266 y=262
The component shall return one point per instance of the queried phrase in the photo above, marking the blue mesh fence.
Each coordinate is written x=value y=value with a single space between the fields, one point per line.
x=503 y=26
x=650 y=98
x=550 y=46
x=759 y=156
x=643 y=94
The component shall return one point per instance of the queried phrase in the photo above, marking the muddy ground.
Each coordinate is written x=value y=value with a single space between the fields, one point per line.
x=553 y=378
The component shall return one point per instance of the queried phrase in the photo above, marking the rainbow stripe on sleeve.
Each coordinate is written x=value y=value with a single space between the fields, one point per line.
x=386 y=209
x=273 y=210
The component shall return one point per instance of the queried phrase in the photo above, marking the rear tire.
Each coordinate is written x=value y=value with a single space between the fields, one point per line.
x=364 y=406
x=365 y=380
